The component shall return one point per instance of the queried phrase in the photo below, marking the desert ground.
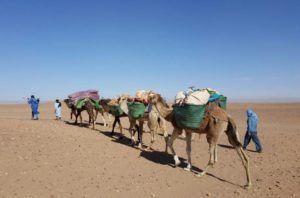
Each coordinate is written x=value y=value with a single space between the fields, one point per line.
x=49 y=158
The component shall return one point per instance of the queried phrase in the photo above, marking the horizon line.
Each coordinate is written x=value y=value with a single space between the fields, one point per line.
x=232 y=100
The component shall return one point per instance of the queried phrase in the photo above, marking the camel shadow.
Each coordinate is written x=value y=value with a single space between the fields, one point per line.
x=98 y=123
x=118 y=138
x=231 y=147
x=85 y=125
x=225 y=146
x=163 y=158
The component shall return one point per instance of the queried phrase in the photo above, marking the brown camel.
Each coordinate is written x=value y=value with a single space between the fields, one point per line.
x=73 y=110
x=88 y=106
x=107 y=108
x=154 y=121
x=216 y=121
x=104 y=112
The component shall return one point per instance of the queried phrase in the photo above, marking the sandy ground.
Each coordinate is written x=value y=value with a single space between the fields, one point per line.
x=49 y=158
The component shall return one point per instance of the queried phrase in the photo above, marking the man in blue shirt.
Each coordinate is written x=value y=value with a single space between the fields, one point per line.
x=34 y=107
x=252 y=131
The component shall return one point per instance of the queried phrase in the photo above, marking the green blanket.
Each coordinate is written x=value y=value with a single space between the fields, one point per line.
x=80 y=103
x=189 y=116
x=136 y=109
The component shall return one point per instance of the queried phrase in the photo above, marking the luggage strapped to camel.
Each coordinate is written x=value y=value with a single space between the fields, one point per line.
x=137 y=107
x=190 y=106
x=79 y=98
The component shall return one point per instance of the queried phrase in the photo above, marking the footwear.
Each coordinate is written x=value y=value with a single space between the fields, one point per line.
x=259 y=151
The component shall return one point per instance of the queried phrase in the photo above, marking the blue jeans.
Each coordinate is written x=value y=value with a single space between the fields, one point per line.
x=254 y=137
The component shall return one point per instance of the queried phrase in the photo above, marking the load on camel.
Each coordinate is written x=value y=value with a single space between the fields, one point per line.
x=202 y=112
x=84 y=100
x=118 y=110
x=139 y=111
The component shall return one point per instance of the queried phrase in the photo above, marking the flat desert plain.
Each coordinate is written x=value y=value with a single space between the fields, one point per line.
x=49 y=158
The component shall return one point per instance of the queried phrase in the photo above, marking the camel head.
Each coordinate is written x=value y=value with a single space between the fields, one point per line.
x=68 y=103
x=125 y=97
x=104 y=101
x=154 y=98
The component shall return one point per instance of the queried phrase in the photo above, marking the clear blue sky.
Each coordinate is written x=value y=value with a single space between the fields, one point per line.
x=244 y=49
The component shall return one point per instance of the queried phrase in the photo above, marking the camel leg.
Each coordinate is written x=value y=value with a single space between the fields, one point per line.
x=92 y=118
x=188 y=150
x=140 y=134
x=80 y=116
x=174 y=135
x=132 y=124
x=113 y=126
x=103 y=119
x=166 y=137
x=245 y=161
x=96 y=114
x=152 y=133
x=76 y=116
x=211 y=160
x=215 y=155
x=109 y=119
x=163 y=128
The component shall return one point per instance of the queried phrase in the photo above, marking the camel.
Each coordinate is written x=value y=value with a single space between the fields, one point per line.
x=73 y=110
x=154 y=122
x=215 y=122
x=103 y=111
x=107 y=108
x=88 y=106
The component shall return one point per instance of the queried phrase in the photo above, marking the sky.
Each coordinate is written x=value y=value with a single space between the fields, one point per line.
x=244 y=49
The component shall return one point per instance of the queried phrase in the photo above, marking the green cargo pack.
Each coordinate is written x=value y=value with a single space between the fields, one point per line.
x=136 y=109
x=189 y=116
x=116 y=110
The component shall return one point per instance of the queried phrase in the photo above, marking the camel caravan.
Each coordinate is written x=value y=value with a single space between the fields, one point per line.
x=195 y=111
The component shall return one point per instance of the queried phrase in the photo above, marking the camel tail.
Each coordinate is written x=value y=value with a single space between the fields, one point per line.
x=232 y=133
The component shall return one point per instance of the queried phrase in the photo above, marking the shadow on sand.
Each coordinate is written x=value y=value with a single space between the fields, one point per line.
x=118 y=138
x=167 y=159
x=157 y=157
x=85 y=125
x=231 y=147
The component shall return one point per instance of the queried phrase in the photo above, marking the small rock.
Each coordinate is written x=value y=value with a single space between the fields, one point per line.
x=208 y=194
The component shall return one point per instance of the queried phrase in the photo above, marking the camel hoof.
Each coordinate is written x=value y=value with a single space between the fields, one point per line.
x=177 y=161
x=200 y=174
x=247 y=186
x=140 y=146
x=187 y=169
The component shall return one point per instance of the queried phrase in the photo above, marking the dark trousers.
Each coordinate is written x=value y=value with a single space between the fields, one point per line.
x=254 y=137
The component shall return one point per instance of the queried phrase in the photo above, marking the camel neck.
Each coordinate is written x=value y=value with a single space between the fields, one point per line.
x=164 y=111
